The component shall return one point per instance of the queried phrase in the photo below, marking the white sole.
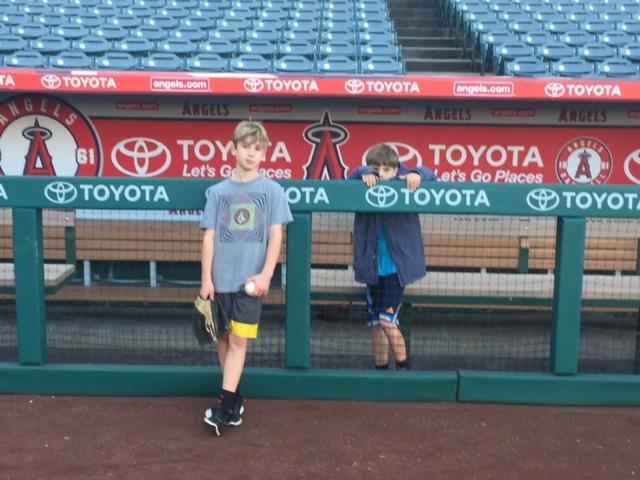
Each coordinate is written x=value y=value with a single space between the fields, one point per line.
x=207 y=413
x=215 y=427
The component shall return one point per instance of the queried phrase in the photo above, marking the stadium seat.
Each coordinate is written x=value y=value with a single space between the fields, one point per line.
x=110 y=33
x=524 y=27
x=264 y=34
x=377 y=37
x=151 y=3
x=104 y=10
x=92 y=45
x=554 y=51
x=527 y=67
x=139 y=11
x=32 y=8
x=176 y=46
x=207 y=62
x=125 y=21
x=597 y=27
x=631 y=52
x=341 y=49
x=202 y=23
x=631 y=8
x=614 y=16
x=617 y=68
x=293 y=64
x=572 y=67
x=303 y=25
x=191 y=34
x=14 y=17
x=382 y=66
x=71 y=11
x=301 y=48
x=581 y=16
x=25 y=59
x=273 y=13
x=538 y=38
x=300 y=36
x=370 y=50
x=116 y=61
x=176 y=12
x=225 y=33
x=544 y=15
x=616 y=38
x=509 y=51
x=259 y=47
x=577 y=38
x=596 y=52
x=250 y=63
x=240 y=24
x=559 y=27
x=71 y=31
x=331 y=35
x=151 y=33
x=218 y=46
x=89 y=20
x=133 y=45
x=70 y=60
x=49 y=44
x=166 y=23
x=29 y=30
x=337 y=64
x=632 y=27
x=166 y=62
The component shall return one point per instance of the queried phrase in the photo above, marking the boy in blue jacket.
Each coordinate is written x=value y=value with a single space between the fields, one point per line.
x=388 y=254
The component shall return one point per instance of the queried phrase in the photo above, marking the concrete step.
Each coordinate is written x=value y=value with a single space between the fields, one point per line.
x=428 y=41
x=412 y=3
x=411 y=53
x=422 y=31
x=432 y=21
x=439 y=65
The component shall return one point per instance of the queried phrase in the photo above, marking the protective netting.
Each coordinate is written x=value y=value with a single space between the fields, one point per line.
x=485 y=305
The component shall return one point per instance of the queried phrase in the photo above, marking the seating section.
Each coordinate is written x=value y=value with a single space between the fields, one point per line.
x=533 y=38
x=283 y=36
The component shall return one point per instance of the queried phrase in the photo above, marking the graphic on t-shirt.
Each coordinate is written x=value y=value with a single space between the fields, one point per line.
x=242 y=217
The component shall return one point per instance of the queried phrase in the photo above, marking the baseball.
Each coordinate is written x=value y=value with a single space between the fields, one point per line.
x=250 y=288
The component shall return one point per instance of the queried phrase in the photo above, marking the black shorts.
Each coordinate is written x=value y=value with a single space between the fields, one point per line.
x=384 y=300
x=242 y=313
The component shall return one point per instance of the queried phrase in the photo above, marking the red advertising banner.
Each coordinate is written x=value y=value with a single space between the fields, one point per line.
x=185 y=138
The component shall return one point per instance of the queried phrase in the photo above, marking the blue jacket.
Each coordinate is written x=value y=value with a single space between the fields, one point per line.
x=403 y=233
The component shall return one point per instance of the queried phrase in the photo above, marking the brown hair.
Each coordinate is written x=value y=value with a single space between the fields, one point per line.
x=251 y=128
x=382 y=155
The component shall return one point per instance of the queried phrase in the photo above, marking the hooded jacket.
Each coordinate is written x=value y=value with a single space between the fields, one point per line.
x=403 y=233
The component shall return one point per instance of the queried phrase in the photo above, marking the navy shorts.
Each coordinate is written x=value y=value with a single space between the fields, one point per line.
x=241 y=312
x=384 y=300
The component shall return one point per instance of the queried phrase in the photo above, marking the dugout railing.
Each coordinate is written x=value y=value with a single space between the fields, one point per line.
x=567 y=292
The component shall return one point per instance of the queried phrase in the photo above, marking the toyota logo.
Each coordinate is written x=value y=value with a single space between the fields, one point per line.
x=141 y=157
x=60 y=192
x=253 y=85
x=381 y=196
x=543 y=199
x=354 y=86
x=51 y=81
x=554 y=89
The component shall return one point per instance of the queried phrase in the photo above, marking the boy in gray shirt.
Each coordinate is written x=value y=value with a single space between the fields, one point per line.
x=243 y=224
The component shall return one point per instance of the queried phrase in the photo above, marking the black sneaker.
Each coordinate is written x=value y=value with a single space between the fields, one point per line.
x=218 y=418
x=235 y=417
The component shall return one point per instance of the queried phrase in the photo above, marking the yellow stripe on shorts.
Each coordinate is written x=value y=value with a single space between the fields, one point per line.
x=244 y=330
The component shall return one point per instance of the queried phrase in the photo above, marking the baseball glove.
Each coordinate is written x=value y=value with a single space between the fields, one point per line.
x=208 y=324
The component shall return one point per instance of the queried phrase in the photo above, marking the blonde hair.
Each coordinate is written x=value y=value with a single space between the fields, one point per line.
x=251 y=128
x=382 y=155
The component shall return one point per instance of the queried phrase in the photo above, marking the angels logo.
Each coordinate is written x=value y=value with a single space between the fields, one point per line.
x=584 y=161
x=42 y=135
x=325 y=162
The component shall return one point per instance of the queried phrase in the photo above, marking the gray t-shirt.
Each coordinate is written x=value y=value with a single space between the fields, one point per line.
x=241 y=214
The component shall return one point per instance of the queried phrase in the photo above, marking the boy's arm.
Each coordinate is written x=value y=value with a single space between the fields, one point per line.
x=360 y=172
x=415 y=176
x=206 y=261
x=263 y=279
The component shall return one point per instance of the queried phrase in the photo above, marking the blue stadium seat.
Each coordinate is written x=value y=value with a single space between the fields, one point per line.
x=545 y=15
x=264 y=33
x=167 y=62
x=29 y=30
x=240 y=24
x=581 y=16
x=337 y=64
x=387 y=50
x=527 y=67
x=70 y=60
x=597 y=26
x=116 y=61
x=32 y=8
x=151 y=33
x=209 y=12
x=189 y=33
x=202 y=23
x=25 y=59
x=88 y=20
x=632 y=27
x=554 y=51
x=176 y=46
x=139 y=11
x=338 y=36
x=225 y=33
x=377 y=37
x=293 y=64
x=218 y=46
x=631 y=52
x=50 y=20
x=133 y=45
x=208 y=62
x=514 y=16
x=559 y=27
x=166 y=23
x=71 y=11
x=616 y=38
x=125 y=21
x=303 y=25
x=577 y=38
x=104 y=10
x=250 y=63
x=617 y=68
x=92 y=45
x=120 y=3
x=280 y=14
x=522 y=28
x=14 y=17
x=150 y=3
x=260 y=47
x=614 y=16
x=301 y=48
x=299 y=35
x=110 y=33
x=597 y=52
x=341 y=49
x=509 y=51
x=174 y=12
x=382 y=66
x=49 y=44
x=538 y=38
x=573 y=67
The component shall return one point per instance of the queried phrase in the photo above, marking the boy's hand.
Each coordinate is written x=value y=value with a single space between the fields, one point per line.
x=370 y=180
x=207 y=291
x=413 y=181
x=262 y=284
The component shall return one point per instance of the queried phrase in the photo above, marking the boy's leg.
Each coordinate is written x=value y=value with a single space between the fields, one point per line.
x=234 y=362
x=380 y=347
x=391 y=294
x=396 y=340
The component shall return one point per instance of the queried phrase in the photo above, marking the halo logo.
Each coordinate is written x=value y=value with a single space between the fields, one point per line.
x=543 y=199
x=147 y=156
x=354 y=86
x=51 y=81
x=554 y=89
x=43 y=135
x=632 y=166
x=60 y=192
x=253 y=85
x=584 y=161
x=381 y=196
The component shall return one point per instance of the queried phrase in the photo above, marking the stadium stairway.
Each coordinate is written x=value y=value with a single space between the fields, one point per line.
x=428 y=44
